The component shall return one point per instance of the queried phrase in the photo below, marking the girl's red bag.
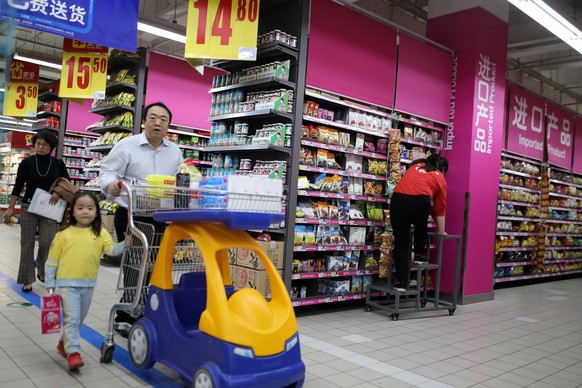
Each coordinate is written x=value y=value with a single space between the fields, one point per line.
x=50 y=313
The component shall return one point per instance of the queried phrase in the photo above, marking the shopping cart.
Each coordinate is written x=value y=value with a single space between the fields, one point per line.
x=194 y=321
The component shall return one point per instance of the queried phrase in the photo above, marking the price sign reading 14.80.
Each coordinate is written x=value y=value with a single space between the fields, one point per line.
x=84 y=75
x=222 y=29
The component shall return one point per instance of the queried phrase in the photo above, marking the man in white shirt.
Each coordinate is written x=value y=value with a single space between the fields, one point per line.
x=133 y=159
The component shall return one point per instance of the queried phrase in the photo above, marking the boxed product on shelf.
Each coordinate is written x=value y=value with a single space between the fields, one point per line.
x=357 y=284
x=356 y=235
x=244 y=277
x=274 y=249
x=332 y=287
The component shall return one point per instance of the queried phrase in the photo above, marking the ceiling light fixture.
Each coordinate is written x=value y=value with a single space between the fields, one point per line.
x=141 y=26
x=37 y=61
x=551 y=20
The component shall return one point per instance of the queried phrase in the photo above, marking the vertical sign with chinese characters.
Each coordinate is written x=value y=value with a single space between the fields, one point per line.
x=525 y=123
x=84 y=72
x=559 y=136
x=222 y=29
x=483 y=127
x=21 y=95
x=577 y=159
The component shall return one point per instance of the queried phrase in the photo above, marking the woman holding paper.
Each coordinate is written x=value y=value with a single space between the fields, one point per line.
x=39 y=170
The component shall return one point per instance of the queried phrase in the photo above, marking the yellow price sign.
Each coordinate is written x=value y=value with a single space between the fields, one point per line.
x=21 y=99
x=222 y=29
x=84 y=75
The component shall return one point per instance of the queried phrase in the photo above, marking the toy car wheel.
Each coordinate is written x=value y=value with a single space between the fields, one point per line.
x=203 y=379
x=139 y=346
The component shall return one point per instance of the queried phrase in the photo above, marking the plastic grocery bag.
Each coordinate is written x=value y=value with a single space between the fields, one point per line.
x=40 y=205
x=50 y=313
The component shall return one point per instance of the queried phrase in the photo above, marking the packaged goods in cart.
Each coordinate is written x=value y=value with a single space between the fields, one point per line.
x=182 y=197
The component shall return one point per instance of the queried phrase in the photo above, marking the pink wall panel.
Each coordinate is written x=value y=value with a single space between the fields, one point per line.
x=559 y=135
x=577 y=160
x=351 y=54
x=423 y=86
x=185 y=91
x=78 y=116
x=525 y=123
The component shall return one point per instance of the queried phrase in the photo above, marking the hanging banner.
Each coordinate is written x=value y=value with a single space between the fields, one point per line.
x=111 y=23
x=577 y=158
x=222 y=29
x=84 y=72
x=21 y=95
x=560 y=135
x=525 y=123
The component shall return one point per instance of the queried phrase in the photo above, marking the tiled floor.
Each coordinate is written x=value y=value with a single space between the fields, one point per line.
x=529 y=336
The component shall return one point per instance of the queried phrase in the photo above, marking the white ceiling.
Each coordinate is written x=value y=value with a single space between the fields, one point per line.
x=536 y=58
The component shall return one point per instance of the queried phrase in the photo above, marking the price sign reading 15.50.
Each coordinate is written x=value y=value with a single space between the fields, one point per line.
x=225 y=29
x=83 y=75
x=21 y=99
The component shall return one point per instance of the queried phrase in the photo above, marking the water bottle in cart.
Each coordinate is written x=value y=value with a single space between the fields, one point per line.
x=182 y=198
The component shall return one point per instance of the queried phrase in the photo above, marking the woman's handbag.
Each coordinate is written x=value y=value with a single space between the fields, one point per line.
x=64 y=188
x=40 y=205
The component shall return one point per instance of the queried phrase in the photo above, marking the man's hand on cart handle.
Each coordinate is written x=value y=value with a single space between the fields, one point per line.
x=115 y=188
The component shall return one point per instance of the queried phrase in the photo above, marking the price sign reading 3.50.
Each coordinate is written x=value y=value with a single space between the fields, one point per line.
x=21 y=99
x=222 y=29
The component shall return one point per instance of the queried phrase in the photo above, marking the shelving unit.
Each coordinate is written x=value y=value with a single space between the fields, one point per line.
x=52 y=110
x=10 y=158
x=518 y=217
x=76 y=156
x=121 y=108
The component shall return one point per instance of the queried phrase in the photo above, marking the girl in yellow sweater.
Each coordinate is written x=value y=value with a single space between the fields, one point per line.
x=73 y=266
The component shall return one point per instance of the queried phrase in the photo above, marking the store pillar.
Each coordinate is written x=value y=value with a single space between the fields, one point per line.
x=475 y=138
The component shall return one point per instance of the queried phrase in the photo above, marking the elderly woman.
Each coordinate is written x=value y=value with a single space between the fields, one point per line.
x=39 y=170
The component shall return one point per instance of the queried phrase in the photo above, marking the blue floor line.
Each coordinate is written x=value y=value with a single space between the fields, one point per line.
x=120 y=355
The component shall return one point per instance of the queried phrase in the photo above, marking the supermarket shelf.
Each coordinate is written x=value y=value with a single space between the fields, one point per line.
x=323 y=194
x=325 y=221
x=510 y=218
x=87 y=178
x=189 y=147
x=79 y=156
x=261 y=82
x=121 y=60
x=75 y=166
x=91 y=188
x=560 y=261
x=252 y=114
x=48 y=96
x=567 y=209
x=563 y=234
x=333 y=274
x=519 y=157
x=345 y=126
x=331 y=248
x=119 y=86
x=520 y=188
x=347 y=150
x=420 y=124
x=91 y=168
x=103 y=110
x=556 y=221
x=564 y=248
x=536 y=276
x=326 y=170
x=515 y=263
x=44 y=113
x=100 y=148
x=111 y=128
x=521 y=234
x=74 y=132
x=517 y=203
x=249 y=147
x=330 y=299
x=507 y=171
x=336 y=100
x=273 y=49
x=517 y=249
x=565 y=183
x=565 y=196
x=420 y=143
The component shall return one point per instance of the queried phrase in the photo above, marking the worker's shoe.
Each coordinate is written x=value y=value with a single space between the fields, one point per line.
x=61 y=348
x=75 y=361
x=400 y=286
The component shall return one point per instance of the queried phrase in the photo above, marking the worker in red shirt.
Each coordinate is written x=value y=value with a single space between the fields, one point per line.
x=423 y=186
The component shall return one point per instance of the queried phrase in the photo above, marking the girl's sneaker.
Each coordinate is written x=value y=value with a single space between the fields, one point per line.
x=75 y=361
x=61 y=348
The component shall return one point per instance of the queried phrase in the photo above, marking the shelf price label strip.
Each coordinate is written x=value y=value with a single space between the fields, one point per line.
x=84 y=72
x=221 y=29
x=21 y=97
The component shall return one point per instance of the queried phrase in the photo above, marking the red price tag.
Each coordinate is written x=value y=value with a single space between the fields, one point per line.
x=21 y=99
x=84 y=74
x=222 y=29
